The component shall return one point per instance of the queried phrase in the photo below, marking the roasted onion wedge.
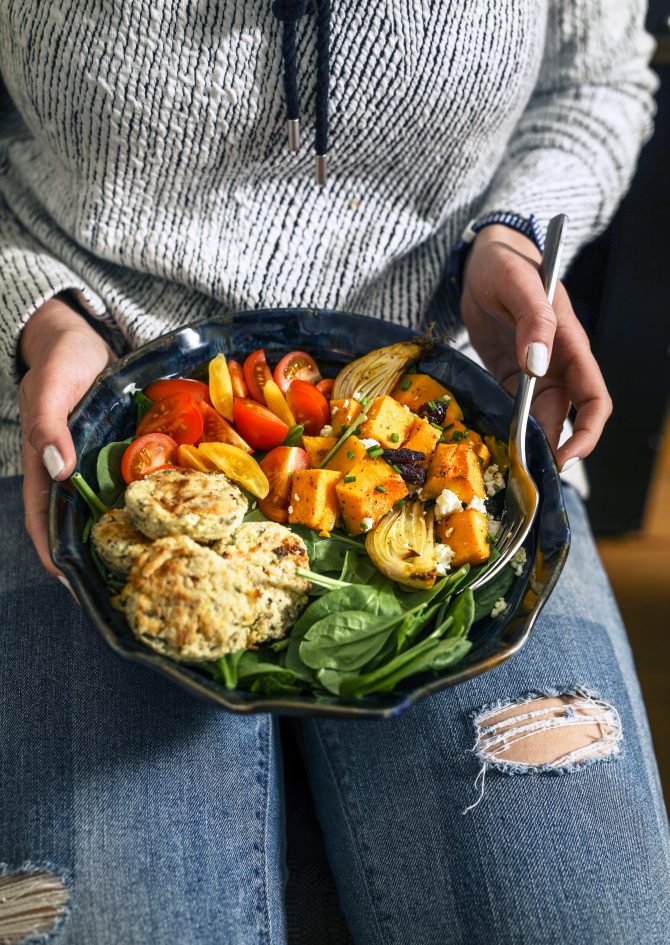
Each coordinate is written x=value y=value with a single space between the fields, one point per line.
x=402 y=546
x=377 y=373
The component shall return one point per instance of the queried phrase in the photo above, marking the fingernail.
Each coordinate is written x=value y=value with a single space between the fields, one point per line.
x=53 y=460
x=537 y=359
x=64 y=581
x=569 y=463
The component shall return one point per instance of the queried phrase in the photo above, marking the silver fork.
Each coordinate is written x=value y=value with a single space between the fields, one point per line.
x=521 y=495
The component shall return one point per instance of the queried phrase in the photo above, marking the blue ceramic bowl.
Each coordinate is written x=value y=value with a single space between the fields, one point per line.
x=107 y=413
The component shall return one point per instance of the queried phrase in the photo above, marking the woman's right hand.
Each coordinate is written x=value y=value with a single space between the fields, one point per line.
x=64 y=355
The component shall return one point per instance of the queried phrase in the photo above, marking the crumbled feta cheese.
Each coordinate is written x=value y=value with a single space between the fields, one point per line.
x=254 y=505
x=296 y=497
x=446 y=503
x=443 y=555
x=518 y=560
x=369 y=443
x=345 y=404
x=290 y=510
x=445 y=399
x=478 y=504
x=367 y=523
x=357 y=394
x=326 y=431
x=493 y=525
x=407 y=407
x=493 y=480
x=499 y=607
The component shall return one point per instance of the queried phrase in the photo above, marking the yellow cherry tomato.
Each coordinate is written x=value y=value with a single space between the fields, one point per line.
x=191 y=458
x=238 y=466
x=276 y=402
x=221 y=387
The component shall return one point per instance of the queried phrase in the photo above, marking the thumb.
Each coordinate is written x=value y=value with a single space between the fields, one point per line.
x=523 y=296
x=46 y=397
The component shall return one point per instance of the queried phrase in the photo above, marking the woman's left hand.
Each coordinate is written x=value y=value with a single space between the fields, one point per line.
x=512 y=325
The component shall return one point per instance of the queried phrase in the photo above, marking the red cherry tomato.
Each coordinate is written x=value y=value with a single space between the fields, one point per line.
x=279 y=466
x=308 y=406
x=216 y=429
x=146 y=454
x=169 y=386
x=296 y=364
x=258 y=425
x=240 y=388
x=178 y=416
x=256 y=373
x=326 y=387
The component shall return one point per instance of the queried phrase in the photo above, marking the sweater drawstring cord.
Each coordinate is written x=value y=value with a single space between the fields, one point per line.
x=289 y=12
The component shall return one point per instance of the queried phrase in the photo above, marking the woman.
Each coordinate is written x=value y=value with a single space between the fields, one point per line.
x=146 y=182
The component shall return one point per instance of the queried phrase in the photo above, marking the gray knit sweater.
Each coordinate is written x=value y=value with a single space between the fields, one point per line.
x=143 y=156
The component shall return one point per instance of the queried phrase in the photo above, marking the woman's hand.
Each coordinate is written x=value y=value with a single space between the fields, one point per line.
x=64 y=355
x=512 y=325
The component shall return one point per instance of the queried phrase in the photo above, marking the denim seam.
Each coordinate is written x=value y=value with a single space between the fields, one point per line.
x=512 y=767
x=29 y=868
x=349 y=827
x=266 y=935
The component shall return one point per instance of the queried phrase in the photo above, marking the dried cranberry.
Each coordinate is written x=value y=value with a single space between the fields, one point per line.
x=434 y=411
x=414 y=473
x=403 y=456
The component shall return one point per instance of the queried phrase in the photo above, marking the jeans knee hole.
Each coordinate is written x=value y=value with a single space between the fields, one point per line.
x=32 y=902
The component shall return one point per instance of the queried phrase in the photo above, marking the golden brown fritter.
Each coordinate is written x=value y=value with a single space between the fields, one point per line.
x=187 y=602
x=269 y=554
x=117 y=541
x=205 y=506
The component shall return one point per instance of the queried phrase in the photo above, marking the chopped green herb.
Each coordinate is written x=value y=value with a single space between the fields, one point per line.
x=459 y=435
x=448 y=427
x=432 y=404
x=395 y=438
x=436 y=425
x=350 y=454
x=438 y=539
x=398 y=504
x=491 y=539
x=375 y=451
x=350 y=479
x=380 y=489
x=395 y=469
x=406 y=384
x=344 y=428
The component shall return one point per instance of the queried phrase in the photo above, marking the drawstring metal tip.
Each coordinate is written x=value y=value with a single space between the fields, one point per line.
x=293 y=134
x=321 y=169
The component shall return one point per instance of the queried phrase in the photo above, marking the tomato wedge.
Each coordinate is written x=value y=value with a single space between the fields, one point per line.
x=256 y=373
x=217 y=430
x=279 y=466
x=169 y=386
x=308 y=406
x=238 y=466
x=326 y=387
x=296 y=364
x=146 y=454
x=177 y=416
x=190 y=457
x=258 y=425
x=221 y=387
x=240 y=388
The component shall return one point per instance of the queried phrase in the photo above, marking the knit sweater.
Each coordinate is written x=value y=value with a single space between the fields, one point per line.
x=144 y=163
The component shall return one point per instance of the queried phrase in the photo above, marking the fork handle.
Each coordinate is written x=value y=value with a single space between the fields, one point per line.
x=549 y=266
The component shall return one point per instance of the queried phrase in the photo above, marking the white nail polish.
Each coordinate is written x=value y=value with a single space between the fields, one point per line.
x=537 y=359
x=64 y=581
x=569 y=463
x=53 y=460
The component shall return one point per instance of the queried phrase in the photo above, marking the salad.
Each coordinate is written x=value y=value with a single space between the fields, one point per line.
x=289 y=533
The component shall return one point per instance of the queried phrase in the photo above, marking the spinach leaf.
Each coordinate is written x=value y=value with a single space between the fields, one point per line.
x=255 y=515
x=459 y=617
x=294 y=434
x=225 y=669
x=108 y=470
x=143 y=405
x=345 y=640
x=274 y=685
x=440 y=591
x=487 y=595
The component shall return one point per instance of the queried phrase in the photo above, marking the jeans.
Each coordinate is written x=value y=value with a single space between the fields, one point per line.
x=163 y=818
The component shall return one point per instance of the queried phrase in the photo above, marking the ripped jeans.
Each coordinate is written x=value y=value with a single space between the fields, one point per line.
x=133 y=815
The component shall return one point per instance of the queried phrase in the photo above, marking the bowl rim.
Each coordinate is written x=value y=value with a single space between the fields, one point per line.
x=518 y=627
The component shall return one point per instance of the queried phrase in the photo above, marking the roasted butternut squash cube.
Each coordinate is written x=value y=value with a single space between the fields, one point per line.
x=423 y=436
x=368 y=492
x=465 y=532
x=454 y=466
x=317 y=447
x=349 y=454
x=342 y=413
x=417 y=389
x=387 y=422
x=313 y=499
x=457 y=432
